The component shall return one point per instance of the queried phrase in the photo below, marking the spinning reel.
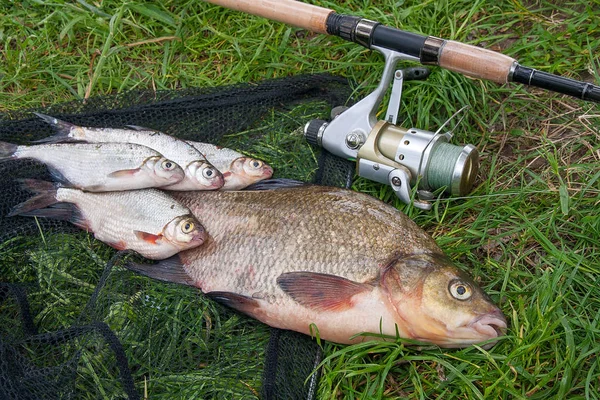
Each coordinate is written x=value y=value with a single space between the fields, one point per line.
x=386 y=153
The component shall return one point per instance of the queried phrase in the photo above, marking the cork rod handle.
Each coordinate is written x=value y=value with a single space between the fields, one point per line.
x=289 y=12
x=475 y=61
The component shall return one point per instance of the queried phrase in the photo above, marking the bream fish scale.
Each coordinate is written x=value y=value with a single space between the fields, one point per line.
x=331 y=257
x=147 y=221
x=199 y=173
x=100 y=166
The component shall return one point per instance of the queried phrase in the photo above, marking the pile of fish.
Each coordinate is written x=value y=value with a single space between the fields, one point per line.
x=314 y=259
x=105 y=182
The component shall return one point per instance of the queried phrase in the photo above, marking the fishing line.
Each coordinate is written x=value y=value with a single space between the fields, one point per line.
x=442 y=164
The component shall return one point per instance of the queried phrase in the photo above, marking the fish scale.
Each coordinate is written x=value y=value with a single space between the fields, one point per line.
x=199 y=173
x=330 y=258
x=100 y=166
x=127 y=210
x=147 y=221
x=283 y=235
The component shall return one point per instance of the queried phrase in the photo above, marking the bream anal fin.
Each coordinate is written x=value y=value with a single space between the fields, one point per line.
x=321 y=292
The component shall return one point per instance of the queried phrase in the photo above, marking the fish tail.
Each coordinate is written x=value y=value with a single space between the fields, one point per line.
x=63 y=129
x=7 y=150
x=44 y=196
x=45 y=204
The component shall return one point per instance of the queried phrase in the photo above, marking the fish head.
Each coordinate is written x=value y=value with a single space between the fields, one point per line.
x=165 y=170
x=204 y=175
x=185 y=232
x=441 y=304
x=256 y=169
x=244 y=171
x=251 y=169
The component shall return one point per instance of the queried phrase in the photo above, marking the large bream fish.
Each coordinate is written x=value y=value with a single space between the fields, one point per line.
x=341 y=260
x=238 y=170
x=199 y=173
x=100 y=167
x=147 y=221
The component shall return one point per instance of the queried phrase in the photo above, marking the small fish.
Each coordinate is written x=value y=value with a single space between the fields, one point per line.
x=148 y=221
x=238 y=170
x=100 y=167
x=199 y=173
x=341 y=261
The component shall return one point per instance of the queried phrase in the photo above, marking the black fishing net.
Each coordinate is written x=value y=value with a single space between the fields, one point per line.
x=74 y=323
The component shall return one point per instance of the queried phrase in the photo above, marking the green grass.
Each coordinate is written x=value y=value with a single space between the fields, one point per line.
x=529 y=233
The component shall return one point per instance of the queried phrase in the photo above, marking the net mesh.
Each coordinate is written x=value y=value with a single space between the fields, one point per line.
x=75 y=324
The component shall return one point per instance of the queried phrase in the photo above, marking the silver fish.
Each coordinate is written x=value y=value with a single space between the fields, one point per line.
x=100 y=167
x=331 y=259
x=199 y=173
x=147 y=221
x=238 y=170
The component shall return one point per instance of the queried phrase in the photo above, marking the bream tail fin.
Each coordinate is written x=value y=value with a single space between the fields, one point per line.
x=63 y=129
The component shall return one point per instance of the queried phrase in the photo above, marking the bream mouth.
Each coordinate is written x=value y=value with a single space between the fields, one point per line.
x=490 y=325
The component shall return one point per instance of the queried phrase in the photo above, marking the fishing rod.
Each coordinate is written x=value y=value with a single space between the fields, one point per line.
x=385 y=152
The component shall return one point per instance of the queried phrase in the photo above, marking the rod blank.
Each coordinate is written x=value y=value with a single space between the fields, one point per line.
x=459 y=57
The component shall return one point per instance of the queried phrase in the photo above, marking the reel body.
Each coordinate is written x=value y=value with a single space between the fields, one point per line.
x=386 y=153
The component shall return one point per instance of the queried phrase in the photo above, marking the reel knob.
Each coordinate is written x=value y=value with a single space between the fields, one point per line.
x=313 y=131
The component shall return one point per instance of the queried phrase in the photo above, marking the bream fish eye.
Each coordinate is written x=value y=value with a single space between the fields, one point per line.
x=168 y=165
x=460 y=290
x=208 y=173
x=187 y=227
x=256 y=164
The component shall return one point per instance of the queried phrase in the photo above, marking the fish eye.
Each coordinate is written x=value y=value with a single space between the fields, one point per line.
x=256 y=164
x=460 y=290
x=188 y=227
x=208 y=173
x=168 y=165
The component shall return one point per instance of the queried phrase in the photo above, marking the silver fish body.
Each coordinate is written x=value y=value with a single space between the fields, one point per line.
x=238 y=170
x=100 y=167
x=199 y=173
x=331 y=259
x=147 y=221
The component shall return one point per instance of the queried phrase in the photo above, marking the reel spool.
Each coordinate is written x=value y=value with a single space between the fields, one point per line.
x=430 y=158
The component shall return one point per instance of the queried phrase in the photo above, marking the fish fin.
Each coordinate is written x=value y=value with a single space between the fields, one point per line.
x=120 y=245
x=138 y=128
x=63 y=129
x=44 y=196
x=7 y=150
x=277 y=183
x=244 y=304
x=321 y=292
x=168 y=270
x=60 y=211
x=123 y=173
x=91 y=188
x=147 y=237
x=57 y=176
x=44 y=204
